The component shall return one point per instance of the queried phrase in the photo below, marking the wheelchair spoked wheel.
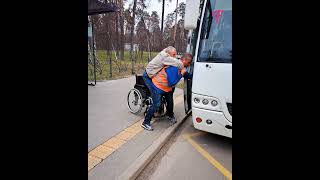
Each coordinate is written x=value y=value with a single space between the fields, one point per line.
x=162 y=109
x=134 y=101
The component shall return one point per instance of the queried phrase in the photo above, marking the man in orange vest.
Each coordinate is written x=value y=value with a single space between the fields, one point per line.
x=163 y=85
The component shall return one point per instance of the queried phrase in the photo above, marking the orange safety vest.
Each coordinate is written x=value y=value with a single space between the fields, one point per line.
x=160 y=80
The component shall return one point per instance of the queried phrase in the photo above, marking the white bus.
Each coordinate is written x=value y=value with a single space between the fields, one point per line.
x=210 y=41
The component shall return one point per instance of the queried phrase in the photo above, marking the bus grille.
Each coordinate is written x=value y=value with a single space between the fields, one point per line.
x=229 y=105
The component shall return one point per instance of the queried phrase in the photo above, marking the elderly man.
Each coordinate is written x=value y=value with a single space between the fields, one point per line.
x=174 y=75
x=165 y=58
x=163 y=85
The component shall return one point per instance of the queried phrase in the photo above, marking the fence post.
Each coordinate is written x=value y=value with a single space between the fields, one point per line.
x=110 y=64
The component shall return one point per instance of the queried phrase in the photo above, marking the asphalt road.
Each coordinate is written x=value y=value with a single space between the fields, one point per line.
x=179 y=159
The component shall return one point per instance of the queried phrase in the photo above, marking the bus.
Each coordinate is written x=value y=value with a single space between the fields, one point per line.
x=209 y=94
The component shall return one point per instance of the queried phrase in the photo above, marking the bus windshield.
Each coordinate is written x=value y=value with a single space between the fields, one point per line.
x=216 y=36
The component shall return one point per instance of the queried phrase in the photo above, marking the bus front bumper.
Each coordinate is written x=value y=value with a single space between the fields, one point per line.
x=220 y=125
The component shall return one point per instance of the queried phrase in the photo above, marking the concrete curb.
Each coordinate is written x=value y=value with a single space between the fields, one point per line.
x=137 y=166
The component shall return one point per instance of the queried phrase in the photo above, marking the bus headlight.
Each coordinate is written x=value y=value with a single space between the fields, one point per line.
x=214 y=103
x=196 y=100
x=205 y=101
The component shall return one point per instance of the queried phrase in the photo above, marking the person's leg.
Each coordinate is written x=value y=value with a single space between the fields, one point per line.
x=156 y=102
x=169 y=99
x=147 y=81
x=170 y=103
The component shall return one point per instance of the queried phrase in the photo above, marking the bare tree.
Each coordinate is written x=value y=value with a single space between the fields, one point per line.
x=117 y=34
x=142 y=32
x=168 y=33
x=121 y=18
x=155 y=31
x=175 y=25
x=181 y=12
x=162 y=17
x=132 y=31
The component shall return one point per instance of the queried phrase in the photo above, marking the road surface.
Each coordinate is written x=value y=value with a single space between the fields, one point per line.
x=190 y=155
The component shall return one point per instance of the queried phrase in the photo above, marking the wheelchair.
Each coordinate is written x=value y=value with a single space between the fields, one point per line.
x=140 y=98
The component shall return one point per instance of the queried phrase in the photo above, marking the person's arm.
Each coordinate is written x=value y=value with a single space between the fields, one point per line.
x=173 y=76
x=170 y=61
x=187 y=75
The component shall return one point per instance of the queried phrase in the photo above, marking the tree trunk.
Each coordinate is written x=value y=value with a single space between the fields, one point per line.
x=182 y=37
x=141 y=54
x=131 y=34
x=121 y=31
x=117 y=44
x=163 y=2
x=175 y=26
x=162 y=19
x=148 y=39
x=152 y=41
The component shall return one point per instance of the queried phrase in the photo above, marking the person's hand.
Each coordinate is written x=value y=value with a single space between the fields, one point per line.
x=183 y=71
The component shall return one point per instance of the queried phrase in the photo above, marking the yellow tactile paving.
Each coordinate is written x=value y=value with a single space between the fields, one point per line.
x=137 y=124
x=134 y=129
x=102 y=151
x=114 y=143
x=92 y=161
x=124 y=135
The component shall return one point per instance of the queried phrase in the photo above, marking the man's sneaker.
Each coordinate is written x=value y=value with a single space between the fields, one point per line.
x=147 y=127
x=172 y=119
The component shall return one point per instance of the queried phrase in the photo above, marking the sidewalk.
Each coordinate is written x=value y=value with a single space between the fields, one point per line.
x=107 y=109
x=121 y=159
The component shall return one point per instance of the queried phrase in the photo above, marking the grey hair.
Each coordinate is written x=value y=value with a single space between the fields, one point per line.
x=169 y=49
x=187 y=56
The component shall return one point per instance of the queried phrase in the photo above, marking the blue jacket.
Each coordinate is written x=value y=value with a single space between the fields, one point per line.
x=174 y=76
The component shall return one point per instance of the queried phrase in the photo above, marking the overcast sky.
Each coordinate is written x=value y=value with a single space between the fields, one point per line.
x=155 y=5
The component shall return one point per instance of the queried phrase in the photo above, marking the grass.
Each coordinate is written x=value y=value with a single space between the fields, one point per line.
x=120 y=68
x=125 y=66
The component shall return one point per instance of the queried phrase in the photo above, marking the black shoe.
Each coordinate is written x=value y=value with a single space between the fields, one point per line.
x=172 y=119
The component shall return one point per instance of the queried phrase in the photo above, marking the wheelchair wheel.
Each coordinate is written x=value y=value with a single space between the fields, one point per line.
x=163 y=108
x=161 y=112
x=134 y=100
x=148 y=103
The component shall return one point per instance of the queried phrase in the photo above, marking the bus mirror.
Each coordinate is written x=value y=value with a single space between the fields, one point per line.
x=192 y=13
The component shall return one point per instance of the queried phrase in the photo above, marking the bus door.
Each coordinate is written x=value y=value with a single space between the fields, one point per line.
x=192 y=40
